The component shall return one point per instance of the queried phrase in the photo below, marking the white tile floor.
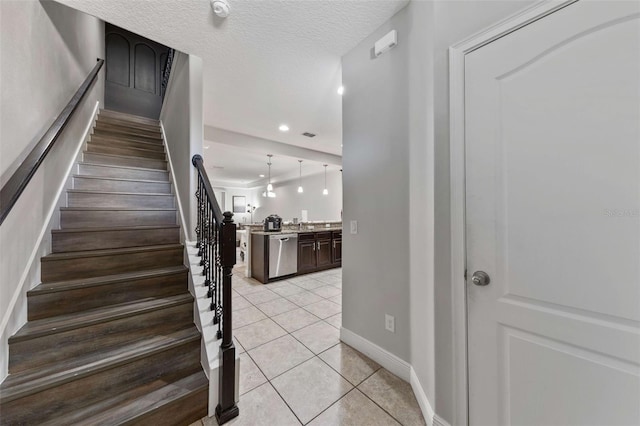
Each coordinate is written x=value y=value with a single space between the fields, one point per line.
x=294 y=369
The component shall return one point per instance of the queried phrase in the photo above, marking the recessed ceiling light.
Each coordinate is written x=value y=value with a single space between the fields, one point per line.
x=206 y=147
x=341 y=90
x=261 y=175
x=283 y=128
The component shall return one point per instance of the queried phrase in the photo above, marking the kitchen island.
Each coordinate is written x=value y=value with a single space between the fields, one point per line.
x=295 y=250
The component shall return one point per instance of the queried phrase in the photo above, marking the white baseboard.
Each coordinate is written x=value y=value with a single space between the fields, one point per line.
x=427 y=411
x=397 y=366
x=383 y=357
x=439 y=421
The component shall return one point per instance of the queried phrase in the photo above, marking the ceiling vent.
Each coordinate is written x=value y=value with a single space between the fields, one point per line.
x=309 y=135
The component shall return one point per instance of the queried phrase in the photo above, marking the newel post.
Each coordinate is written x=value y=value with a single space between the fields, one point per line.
x=227 y=408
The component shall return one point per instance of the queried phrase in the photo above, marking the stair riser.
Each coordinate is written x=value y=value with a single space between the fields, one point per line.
x=125 y=134
x=132 y=152
x=148 y=132
x=121 y=185
x=73 y=219
x=75 y=199
x=51 y=403
x=127 y=118
x=147 y=163
x=114 y=238
x=76 y=300
x=116 y=172
x=126 y=143
x=57 y=347
x=184 y=412
x=95 y=266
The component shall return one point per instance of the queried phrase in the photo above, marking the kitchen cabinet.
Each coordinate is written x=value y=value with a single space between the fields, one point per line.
x=316 y=251
x=323 y=250
x=307 y=260
x=336 y=249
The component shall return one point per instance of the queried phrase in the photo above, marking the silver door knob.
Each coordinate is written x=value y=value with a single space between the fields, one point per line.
x=480 y=278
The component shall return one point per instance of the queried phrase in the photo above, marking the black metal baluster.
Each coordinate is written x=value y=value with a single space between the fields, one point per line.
x=216 y=237
x=199 y=219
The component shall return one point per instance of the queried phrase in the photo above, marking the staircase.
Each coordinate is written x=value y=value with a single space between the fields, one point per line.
x=110 y=337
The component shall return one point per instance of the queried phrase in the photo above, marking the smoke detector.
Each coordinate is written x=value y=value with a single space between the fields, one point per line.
x=220 y=8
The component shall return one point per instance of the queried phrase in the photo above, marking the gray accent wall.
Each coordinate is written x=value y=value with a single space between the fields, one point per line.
x=375 y=159
x=46 y=51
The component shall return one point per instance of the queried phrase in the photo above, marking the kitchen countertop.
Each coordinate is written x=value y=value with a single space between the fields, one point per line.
x=291 y=231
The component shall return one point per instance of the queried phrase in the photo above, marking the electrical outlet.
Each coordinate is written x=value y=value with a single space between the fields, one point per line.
x=390 y=323
x=354 y=226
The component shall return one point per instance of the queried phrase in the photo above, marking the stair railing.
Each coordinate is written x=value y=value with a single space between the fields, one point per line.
x=216 y=243
x=18 y=181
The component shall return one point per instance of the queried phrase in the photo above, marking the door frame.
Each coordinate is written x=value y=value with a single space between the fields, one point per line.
x=457 y=53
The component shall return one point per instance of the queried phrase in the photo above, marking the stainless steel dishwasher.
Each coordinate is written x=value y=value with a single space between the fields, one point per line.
x=283 y=255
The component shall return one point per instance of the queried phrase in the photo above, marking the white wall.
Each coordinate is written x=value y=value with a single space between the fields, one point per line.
x=229 y=192
x=46 y=52
x=182 y=120
x=288 y=203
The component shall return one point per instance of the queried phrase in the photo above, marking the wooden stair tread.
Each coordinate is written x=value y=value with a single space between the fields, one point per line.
x=113 y=228
x=118 y=179
x=62 y=323
x=129 y=157
x=94 y=191
x=107 y=252
x=32 y=381
x=125 y=115
x=113 y=121
x=136 y=403
x=57 y=286
x=130 y=148
x=118 y=209
x=129 y=133
x=146 y=169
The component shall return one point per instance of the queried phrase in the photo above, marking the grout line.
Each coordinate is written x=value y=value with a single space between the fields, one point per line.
x=382 y=408
x=314 y=355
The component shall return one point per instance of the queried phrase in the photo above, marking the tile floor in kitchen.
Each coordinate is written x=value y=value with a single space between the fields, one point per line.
x=294 y=369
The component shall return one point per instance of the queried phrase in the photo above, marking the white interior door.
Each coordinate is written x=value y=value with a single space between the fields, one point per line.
x=552 y=140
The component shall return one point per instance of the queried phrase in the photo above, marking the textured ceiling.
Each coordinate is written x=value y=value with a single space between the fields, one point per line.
x=269 y=62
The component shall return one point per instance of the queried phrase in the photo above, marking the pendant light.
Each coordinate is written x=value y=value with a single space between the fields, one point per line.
x=269 y=186
x=325 y=191
x=300 y=190
x=269 y=192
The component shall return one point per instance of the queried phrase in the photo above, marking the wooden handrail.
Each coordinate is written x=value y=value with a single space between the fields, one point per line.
x=199 y=165
x=18 y=181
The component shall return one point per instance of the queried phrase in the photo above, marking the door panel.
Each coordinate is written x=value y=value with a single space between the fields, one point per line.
x=324 y=253
x=134 y=73
x=145 y=72
x=553 y=216
x=306 y=256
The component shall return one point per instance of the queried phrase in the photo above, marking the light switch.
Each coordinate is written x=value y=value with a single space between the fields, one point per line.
x=354 y=226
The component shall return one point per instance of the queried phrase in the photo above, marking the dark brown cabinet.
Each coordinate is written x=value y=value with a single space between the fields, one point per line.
x=336 y=253
x=319 y=250
x=324 y=253
x=307 y=260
